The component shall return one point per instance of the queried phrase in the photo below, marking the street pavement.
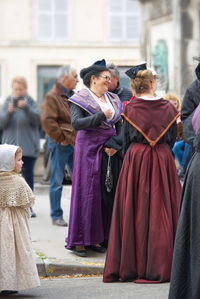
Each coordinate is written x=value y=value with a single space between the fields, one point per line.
x=94 y=288
x=49 y=240
x=54 y=262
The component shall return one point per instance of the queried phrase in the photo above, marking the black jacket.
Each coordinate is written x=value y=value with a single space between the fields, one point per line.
x=191 y=99
x=123 y=93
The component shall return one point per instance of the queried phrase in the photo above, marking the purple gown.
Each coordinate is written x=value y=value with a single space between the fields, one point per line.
x=86 y=223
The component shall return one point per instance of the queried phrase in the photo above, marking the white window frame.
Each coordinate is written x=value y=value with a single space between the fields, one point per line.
x=124 y=14
x=51 y=13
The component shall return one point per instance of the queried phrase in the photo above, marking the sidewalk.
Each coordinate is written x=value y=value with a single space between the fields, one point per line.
x=49 y=240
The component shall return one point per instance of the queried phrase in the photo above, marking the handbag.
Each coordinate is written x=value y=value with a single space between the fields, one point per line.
x=109 y=176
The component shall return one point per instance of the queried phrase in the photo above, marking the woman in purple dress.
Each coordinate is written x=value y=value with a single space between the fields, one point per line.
x=95 y=114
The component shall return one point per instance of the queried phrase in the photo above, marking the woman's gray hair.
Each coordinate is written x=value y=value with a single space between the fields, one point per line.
x=113 y=69
x=65 y=70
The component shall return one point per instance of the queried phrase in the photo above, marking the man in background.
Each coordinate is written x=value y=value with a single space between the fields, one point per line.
x=56 y=122
x=123 y=93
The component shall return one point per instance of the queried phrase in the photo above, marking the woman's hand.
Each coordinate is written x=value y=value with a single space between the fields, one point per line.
x=11 y=108
x=110 y=151
x=108 y=113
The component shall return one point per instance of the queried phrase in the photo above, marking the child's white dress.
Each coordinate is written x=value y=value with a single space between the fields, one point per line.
x=18 y=269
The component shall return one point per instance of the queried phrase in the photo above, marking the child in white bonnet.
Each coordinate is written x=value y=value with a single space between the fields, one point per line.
x=18 y=270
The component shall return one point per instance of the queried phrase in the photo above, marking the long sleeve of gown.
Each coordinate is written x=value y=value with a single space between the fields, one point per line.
x=116 y=141
x=81 y=120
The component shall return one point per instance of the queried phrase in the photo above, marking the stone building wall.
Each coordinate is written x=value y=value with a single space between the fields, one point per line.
x=176 y=25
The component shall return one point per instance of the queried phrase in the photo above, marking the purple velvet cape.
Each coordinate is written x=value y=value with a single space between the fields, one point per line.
x=86 y=220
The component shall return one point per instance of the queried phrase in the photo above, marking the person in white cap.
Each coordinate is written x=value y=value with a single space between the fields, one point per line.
x=18 y=270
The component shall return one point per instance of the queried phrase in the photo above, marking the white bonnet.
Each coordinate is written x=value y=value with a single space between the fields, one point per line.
x=7 y=157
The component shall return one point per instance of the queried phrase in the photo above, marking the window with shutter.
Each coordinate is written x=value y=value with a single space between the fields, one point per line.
x=124 y=20
x=52 y=20
x=116 y=27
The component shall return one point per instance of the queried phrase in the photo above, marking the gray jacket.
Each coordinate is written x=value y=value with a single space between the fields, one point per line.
x=22 y=127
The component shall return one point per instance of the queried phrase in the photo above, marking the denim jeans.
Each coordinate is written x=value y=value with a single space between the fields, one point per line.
x=183 y=153
x=186 y=155
x=28 y=170
x=60 y=156
x=178 y=150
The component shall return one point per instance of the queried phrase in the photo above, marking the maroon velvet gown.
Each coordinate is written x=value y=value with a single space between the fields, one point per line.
x=147 y=197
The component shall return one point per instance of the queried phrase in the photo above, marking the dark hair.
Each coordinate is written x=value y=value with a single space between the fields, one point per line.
x=93 y=70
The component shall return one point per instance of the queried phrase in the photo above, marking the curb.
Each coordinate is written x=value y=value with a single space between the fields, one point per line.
x=55 y=267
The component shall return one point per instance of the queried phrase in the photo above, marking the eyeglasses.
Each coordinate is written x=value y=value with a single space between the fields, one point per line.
x=106 y=77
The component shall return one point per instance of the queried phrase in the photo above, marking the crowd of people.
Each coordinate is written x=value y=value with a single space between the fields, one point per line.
x=120 y=145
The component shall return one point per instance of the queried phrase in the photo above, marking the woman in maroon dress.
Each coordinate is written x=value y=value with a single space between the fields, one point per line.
x=146 y=203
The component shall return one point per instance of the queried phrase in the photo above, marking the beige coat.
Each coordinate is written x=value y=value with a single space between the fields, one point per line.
x=18 y=269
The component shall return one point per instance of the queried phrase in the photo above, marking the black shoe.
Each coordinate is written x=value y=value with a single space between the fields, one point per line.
x=33 y=214
x=98 y=248
x=81 y=253
x=8 y=292
x=104 y=244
